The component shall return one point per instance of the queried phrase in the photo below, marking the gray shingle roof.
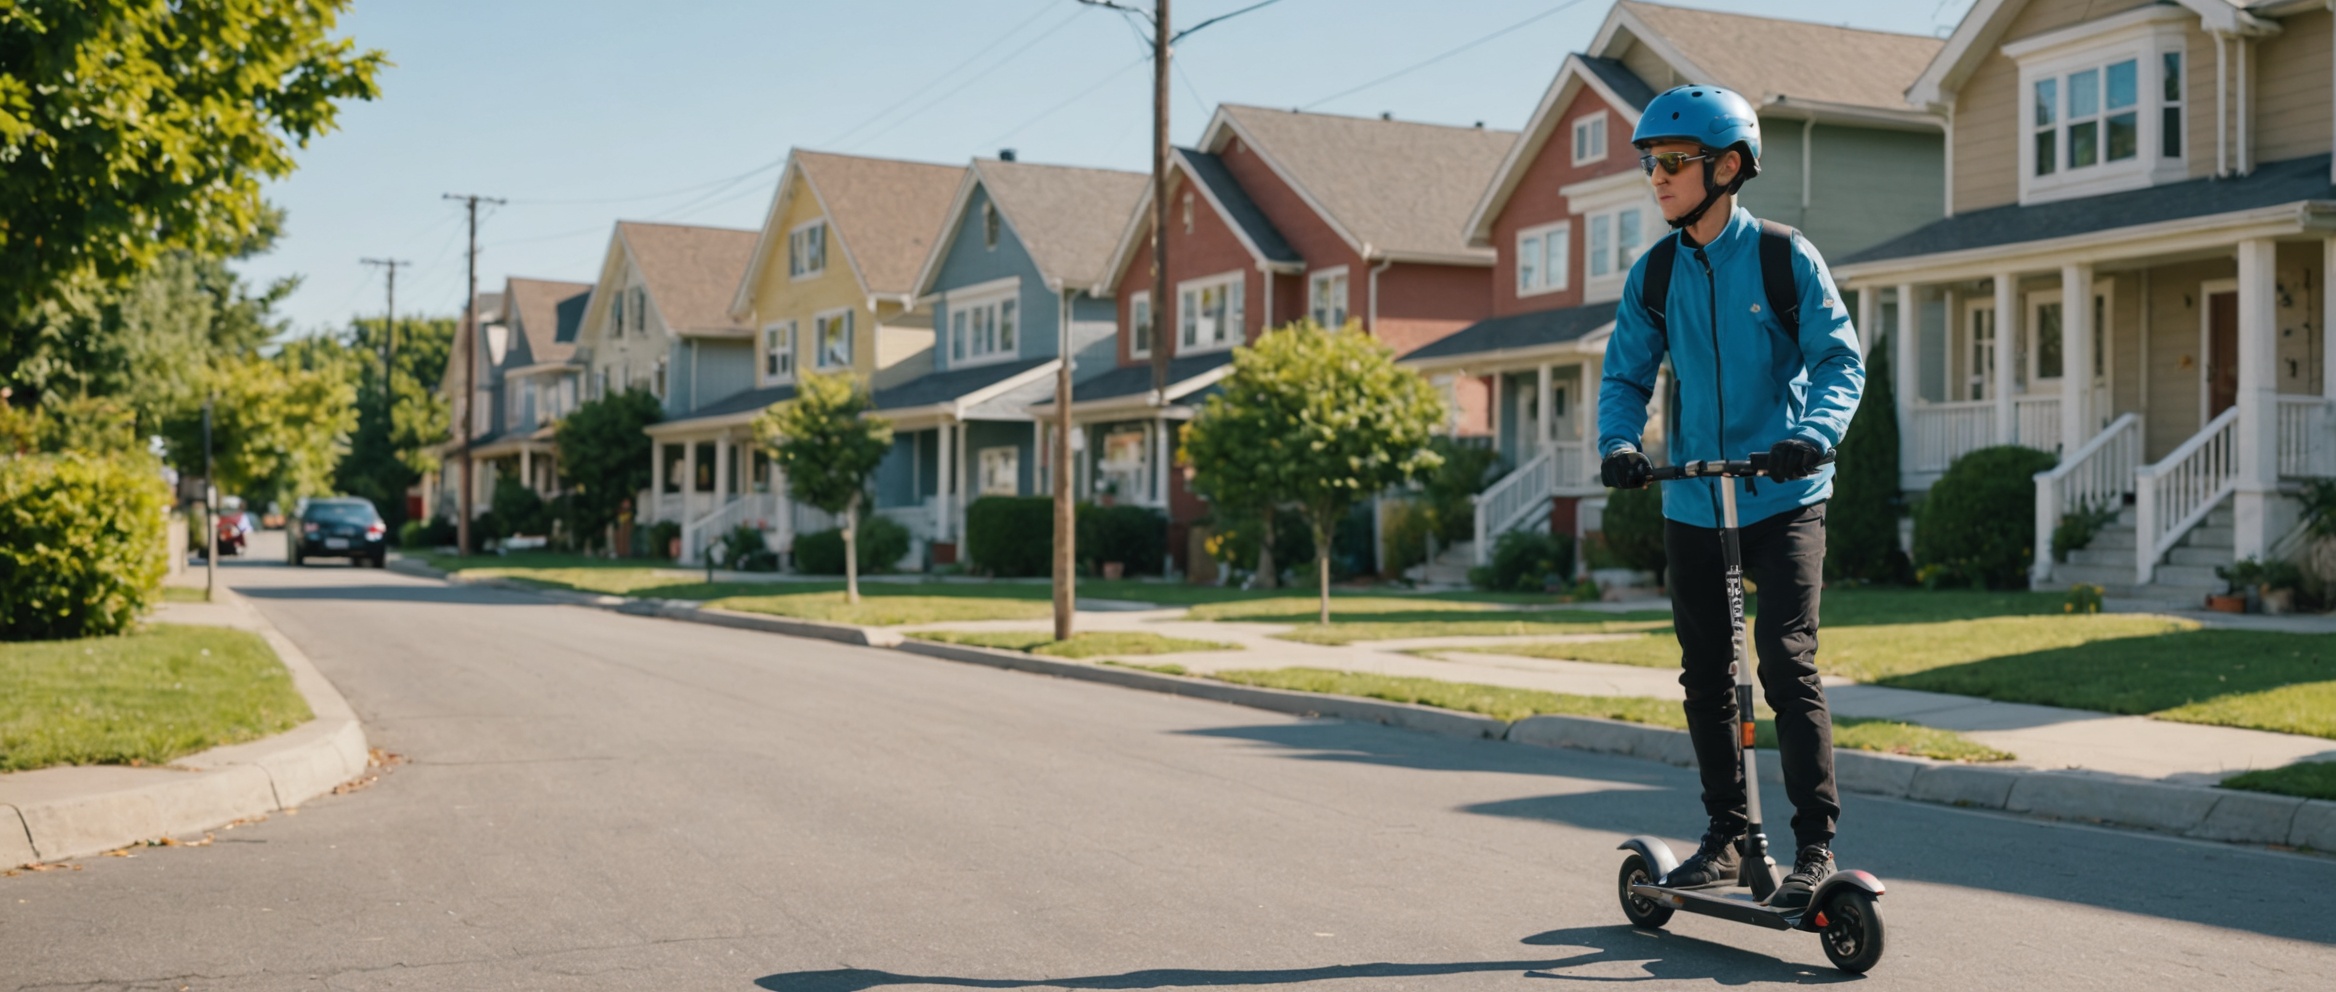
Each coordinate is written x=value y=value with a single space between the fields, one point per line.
x=886 y=211
x=690 y=271
x=1068 y=218
x=944 y=387
x=1242 y=211
x=1395 y=185
x=1763 y=57
x=2291 y=181
x=1136 y=380
x=535 y=307
x=746 y=402
x=1518 y=331
x=1621 y=80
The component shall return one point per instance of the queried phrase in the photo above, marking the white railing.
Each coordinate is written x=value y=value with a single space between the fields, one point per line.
x=1943 y=432
x=760 y=510
x=671 y=506
x=1506 y=503
x=2036 y=422
x=2173 y=495
x=2307 y=437
x=2094 y=477
x=1573 y=469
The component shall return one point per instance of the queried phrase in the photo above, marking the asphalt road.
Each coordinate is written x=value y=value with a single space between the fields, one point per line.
x=594 y=801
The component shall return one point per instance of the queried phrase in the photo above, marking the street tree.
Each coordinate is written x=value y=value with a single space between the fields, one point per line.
x=828 y=440
x=131 y=128
x=1321 y=420
x=605 y=455
x=278 y=429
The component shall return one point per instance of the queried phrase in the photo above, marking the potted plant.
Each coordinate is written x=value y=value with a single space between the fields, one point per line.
x=2246 y=577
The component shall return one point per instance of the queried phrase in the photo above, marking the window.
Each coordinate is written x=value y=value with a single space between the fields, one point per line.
x=982 y=330
x=2101 y=105
x=2170 y=105
x=1001 y=471
x=807 y=250
x=657 y=380
x=778 y=351
x=1590 y=138
x=1615 y=242
x=833 y=334
x=671 y=455
x=1125 y=468
x=1327 y=298
x=1188 y=212
x=1139 y=324
x=989 y=225
x=526 y=401
x=640 y=319
x=1544 y=258
x=1209 y=313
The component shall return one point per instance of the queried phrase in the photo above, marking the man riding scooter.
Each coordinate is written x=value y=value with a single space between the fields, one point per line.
x=1763 y=359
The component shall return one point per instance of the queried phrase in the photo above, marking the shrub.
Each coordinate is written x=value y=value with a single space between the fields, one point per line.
x=1525 y=561
x=1407 y=523
x=881 y=543
x=2077 y=529
x=1134 y=536
x=661 y=536
x=1447 y=492
x=1240 y=536
x=81 y=544
x=744 y=549
x=1861 y=519
x=518 y=510
x=1010 y=535
x=2082 y=598
x=437 y=532
x=1978 y=522
x=1633 y=528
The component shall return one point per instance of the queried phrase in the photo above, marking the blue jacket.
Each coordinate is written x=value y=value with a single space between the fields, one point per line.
x=1771 y=388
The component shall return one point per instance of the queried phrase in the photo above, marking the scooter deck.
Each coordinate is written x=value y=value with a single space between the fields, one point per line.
x=1729 y=903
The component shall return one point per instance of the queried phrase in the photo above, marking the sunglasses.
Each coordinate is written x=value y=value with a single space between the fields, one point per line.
x=1671 y=162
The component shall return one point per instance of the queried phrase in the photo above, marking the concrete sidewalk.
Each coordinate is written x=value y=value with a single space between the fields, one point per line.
x=52 y=814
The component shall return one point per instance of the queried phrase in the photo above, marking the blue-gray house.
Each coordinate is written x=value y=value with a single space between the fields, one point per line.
x=1007 y=285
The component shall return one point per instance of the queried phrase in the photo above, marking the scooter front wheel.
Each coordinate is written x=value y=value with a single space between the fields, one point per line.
x=1851 y=931
x=1642 y=911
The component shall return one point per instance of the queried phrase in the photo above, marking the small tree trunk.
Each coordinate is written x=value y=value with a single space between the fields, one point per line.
x=1268 y=573
x=1322 y=569
x=852 y=551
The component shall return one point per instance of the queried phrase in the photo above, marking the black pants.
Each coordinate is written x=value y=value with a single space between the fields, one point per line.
x=1784 y=556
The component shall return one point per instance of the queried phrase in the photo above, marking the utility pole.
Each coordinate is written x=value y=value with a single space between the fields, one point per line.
x=389 y=345
x=470 y=363
x=211 y=516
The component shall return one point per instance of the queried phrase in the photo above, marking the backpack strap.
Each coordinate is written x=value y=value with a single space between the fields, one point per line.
x=1654 y=284
x=1777 y=278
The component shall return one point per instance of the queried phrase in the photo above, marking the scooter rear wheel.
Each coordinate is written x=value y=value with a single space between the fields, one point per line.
x=1642 y=911
x=1852 y=931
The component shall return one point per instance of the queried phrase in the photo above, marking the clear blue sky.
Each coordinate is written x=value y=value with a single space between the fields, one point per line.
x=583 y=112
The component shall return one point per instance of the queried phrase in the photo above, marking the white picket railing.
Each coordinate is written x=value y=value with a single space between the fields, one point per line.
x=2307 y=436
x=761 y=510
x=2036 y=422
x=1943 y=432
x=1518 y=494
x=2095 y=476
x=2173 y=495
x=1573 y=469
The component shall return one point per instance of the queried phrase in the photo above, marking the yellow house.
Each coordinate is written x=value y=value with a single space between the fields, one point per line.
x=830 y=287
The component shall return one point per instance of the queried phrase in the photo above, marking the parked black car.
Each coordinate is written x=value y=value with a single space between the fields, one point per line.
x=344 y=527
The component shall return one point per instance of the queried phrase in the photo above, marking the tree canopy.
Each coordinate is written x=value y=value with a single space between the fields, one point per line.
x=605 y=456
x=1318 y=419
x=828 y=441
x=132 y=128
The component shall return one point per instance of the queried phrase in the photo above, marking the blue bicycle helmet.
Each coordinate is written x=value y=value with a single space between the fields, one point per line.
x=1712 y=116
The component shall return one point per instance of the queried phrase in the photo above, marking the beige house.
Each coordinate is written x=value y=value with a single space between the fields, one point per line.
x=658 y=318
x=2132 y=274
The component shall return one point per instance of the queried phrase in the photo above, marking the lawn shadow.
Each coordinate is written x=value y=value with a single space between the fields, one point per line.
x=455 y=595
x=2221 y=886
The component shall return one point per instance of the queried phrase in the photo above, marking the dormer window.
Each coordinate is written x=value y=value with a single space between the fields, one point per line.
x=2101 y=105
x=989 y=226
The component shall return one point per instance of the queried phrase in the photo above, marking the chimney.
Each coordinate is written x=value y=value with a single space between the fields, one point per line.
x=1005 y=154
x=1386 y=115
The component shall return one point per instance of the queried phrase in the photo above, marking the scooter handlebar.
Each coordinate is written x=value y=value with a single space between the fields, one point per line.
x=1755 y=464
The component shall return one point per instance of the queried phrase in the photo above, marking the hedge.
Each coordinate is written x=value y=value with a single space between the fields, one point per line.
x=1014 y=536
x=881 y=542
x=82 y=551
x=1977 y=525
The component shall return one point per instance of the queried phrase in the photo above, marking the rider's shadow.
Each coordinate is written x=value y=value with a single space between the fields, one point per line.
x=1667 y=956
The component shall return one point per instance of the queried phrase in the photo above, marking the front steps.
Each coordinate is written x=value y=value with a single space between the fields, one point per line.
x=2184 y=577
x=1449 y=567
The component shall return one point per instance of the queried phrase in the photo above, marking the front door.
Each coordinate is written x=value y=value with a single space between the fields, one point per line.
x=2222 y=352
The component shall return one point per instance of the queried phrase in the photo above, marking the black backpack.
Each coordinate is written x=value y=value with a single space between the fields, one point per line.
x=1776 y=280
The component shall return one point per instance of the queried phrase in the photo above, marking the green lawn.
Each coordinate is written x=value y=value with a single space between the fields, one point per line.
x=184 y=594
x=2309 y=779
x=1386 y=618
x=1092 y=644
x=166 y=691
x=1504 y=703
x=887 y=606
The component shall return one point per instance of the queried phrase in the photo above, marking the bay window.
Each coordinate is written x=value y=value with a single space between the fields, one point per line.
x=2101 y=106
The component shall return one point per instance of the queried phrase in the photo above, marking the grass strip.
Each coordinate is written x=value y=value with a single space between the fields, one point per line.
x=1091 y=644
x=1511 y=704
x=185 y=594
x=889 y=609
x=1165 y=668
x=145 y=698
x=1543 y=623
x=2309 y=779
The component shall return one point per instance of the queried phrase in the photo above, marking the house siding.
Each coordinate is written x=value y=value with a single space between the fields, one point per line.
x=777 y=296
x=1420 y=304
x=1536 y=202
x=1210 y=249
x=2292 y=113
x=1309 y=232
x=1869 y=185
x=1645 y=64
x=968 y=262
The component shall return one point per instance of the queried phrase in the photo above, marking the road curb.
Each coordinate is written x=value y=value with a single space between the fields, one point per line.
x=219 y=786
x=2201 y=812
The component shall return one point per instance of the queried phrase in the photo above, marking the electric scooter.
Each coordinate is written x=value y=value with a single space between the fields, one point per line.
x=1843 y=910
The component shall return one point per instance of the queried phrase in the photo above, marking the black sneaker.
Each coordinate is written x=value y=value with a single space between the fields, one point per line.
x=1813 y=866
x=1716 y=862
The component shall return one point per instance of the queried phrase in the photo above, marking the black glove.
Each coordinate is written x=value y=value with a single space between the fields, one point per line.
x=1625 y=469
x=1793 y=458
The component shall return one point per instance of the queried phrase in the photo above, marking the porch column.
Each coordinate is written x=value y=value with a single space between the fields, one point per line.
x=1593 y=376
x=2076 y=357
x=1543 y=425
x=1161 y=460
x=941 y=479
x=1903 y=354
x=963 y=477
x=721 y=473
x=2007 y=356
x=689 y=480
x=648 y=513
x=1869 y=314
x=527 y=466
x=2256 y=502
x=2327 y=314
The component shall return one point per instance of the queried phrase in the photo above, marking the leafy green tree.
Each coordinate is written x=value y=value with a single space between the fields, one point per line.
x=828 y=440
x=605 y=457
x=278 y=430
x=1861 y=520
x=380 y=465
x=130 y=128
x=1319 y=419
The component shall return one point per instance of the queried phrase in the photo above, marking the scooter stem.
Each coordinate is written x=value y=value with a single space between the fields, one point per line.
x=1759 y=871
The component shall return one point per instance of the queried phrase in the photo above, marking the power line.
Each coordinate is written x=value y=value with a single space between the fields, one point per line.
x=1002 y=61
x=1082 y=93
x=1043 y=7
x=1424 y=63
